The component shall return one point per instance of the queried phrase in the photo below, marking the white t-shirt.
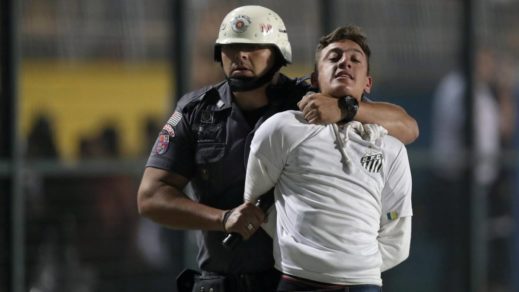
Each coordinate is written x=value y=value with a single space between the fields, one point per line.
x=336 y=221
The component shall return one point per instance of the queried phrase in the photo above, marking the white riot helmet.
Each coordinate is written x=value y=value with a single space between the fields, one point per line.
x=254 y=25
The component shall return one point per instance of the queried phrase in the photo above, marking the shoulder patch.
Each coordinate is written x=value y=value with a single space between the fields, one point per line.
x=168 y=128
x=162 y=144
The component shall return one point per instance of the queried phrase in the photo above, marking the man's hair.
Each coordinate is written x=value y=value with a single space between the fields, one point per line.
x=349 y=32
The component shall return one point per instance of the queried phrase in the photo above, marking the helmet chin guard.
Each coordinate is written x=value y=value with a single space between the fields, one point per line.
x=250 y=83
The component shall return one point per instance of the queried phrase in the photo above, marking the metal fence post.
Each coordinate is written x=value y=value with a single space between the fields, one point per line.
x=15 y=276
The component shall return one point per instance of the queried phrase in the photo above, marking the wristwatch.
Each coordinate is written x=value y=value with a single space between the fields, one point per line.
x=349 y=107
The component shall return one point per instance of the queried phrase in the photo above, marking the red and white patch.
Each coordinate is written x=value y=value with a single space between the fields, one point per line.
x=168 y=128
x=162 y=144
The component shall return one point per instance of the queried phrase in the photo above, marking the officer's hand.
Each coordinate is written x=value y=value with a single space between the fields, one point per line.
x=245 y=220
x=319 y=108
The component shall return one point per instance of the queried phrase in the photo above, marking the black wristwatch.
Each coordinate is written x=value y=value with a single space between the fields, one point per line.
x=349 y=107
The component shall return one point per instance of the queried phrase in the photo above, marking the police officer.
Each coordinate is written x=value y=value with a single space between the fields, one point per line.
x=206 y=143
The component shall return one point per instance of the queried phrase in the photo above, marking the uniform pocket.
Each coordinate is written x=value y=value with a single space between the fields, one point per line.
x=209 y=153
x=207 y=156
x=210 y=133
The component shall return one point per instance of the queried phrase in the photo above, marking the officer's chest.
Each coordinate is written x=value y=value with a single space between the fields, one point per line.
x=222 y=139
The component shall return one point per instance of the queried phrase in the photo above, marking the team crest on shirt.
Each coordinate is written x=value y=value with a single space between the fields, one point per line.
x=372 y=162
x=162 y=144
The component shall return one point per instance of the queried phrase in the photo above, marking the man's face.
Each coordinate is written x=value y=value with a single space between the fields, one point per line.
x=343 y=70
x=246 y=60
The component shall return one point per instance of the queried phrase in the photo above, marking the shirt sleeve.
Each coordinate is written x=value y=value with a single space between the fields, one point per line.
x=395 y=229
x=270 y=148
x=266 y=159
x=173 y=149
x=396 y=195
x=394 y=242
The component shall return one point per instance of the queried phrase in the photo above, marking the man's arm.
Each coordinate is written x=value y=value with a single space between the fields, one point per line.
x=265 y=164
x=394 y=236
x=265 y=161
x=322 y=109
x=160 y=198
x=390 y=116
x=394 y=241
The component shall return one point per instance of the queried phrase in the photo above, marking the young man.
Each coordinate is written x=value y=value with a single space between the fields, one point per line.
x=206 y=143
x=343 y=192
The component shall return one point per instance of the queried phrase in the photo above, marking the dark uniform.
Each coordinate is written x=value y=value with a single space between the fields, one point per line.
x=207 y=140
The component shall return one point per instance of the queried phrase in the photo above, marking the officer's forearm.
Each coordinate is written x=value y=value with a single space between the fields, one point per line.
x=392 y=117
x=168 y=206
x=182 y=213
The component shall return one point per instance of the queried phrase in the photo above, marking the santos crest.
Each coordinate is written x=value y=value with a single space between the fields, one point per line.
x=372 y=162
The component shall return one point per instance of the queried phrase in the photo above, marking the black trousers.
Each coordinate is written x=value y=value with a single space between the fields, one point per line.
x=192 y=281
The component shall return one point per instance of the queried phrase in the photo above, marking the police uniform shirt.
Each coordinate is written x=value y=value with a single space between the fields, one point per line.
x=329 y=213
x=207 y=141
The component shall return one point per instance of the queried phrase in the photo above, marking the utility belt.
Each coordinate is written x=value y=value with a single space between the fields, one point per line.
x=194 y=281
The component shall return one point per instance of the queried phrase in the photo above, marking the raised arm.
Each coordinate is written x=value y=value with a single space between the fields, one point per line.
x=323 y=109
x=394 y=118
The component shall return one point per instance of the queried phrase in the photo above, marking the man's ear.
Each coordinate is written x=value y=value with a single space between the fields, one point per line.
x=313 y=79
x=369 y=84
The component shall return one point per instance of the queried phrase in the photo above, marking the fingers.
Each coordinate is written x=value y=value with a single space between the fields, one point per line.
x=318 y=108
x=312 y=116
x=308 y=105
x=303 y=103
x=245 y=220
x=250 y=230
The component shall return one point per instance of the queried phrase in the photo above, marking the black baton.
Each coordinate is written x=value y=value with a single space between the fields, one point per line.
x=264 y=203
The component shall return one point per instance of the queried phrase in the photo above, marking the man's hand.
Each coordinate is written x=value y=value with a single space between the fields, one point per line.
x=245 y=220
x=319 y=108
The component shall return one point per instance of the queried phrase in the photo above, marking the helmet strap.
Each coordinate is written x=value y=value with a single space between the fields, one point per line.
x=251 y=83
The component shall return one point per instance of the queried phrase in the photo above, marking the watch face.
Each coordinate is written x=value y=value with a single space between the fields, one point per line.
x=349 y=107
